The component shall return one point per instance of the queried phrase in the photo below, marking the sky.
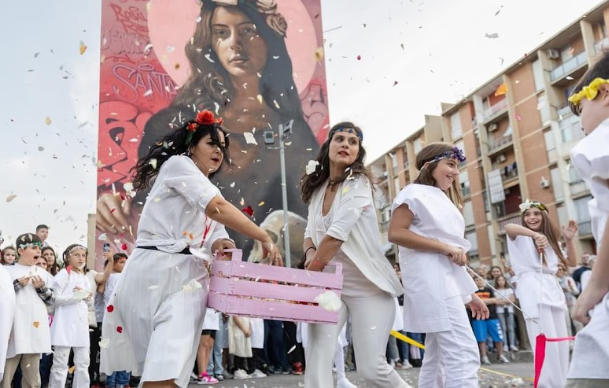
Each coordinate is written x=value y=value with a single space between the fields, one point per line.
x=413 y=56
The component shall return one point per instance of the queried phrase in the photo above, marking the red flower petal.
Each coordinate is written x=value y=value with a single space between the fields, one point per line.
x=248 y=210
x=124 y=247
x=110 y=308
x=119 y=329
x=359 y=57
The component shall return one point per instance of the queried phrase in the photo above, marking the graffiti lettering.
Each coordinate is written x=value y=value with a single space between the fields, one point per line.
x=144 y=80
x=119 y=42
x=132 y=19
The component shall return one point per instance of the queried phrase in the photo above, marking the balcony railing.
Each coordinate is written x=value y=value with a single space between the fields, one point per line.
x=509 y=172
x=514 y=219
x=569 y=66
x=571 y=129
x=500 y=142
x=584 y=228
x=496 y=109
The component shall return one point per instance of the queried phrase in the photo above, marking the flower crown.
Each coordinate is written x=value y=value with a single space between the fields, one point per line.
x=274 y=19
x=30 y=245
x=348 y=130
x=590 y=92
x=205 y=117
x=526 y=205
x=455 y=153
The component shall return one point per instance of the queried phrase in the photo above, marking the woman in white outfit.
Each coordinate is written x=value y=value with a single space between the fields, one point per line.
x=535 y=254
x=153 y=322
x=7 y=306
x=70 y=328
x=428 y=227
x=342 y=228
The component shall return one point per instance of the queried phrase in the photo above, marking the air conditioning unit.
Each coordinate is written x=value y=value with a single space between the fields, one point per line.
x=544 y=182
x=493 y=127
x=501 y=158
x=553 y=54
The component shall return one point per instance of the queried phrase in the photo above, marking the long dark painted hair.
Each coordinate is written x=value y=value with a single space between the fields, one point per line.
x=175 y=143
x=310 y=183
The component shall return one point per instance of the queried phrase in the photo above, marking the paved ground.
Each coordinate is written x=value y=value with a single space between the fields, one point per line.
x=517 y=374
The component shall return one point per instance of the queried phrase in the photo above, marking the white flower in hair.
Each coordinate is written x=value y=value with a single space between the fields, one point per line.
x=526 y=205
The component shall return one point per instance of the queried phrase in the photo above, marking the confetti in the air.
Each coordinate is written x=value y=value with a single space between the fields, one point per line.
x=119 y=329
x=110 y=308
x=311 y=167
x=47 y=120
x=83 y=47
x=249 y=138
x=359 y=57
x=11 y=197
x=36 y=324
x=494 y=35
x=319 y=54
x=261 y=203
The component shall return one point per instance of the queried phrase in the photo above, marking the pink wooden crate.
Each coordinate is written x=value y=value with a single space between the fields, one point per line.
x=245 y=289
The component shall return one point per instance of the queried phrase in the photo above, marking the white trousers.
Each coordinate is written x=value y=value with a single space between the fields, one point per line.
x=556 y=364
x=451 y=357
x=59 y=371
x=371 y=319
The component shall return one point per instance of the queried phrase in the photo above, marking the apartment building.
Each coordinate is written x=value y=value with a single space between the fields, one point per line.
x=516 y=131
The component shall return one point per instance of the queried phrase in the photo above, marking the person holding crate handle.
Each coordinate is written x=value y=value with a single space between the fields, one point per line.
x=153 y=322
x=342 y=229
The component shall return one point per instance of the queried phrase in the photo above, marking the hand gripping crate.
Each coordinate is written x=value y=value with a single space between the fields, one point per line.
x=264 y=291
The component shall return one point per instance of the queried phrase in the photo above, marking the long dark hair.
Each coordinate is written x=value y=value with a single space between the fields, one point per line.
x=549 y=230
x=176 y=142
x=310 y=183
x=209 y=83
x=53 y=269
x=427 y=154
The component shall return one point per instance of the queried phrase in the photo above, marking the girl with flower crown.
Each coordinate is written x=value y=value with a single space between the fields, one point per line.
x=535 y=254
x=590 y=101
x=428 y=227
x=70 y=327
x=153 y=320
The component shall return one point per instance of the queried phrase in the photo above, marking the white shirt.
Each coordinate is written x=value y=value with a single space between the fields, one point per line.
x=257 y=337
x=110 y=286
x=71 y=320
x=7 y=306
x=31 y=332
x=212 y=319
x=430 y=278
x=354 y=222
x=504 y=294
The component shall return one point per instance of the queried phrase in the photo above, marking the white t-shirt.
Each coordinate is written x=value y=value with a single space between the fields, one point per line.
x=110 y=287
x=212 y=319
x=504 y=294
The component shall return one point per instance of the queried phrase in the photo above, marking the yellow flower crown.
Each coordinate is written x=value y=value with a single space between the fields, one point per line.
x=590 y=91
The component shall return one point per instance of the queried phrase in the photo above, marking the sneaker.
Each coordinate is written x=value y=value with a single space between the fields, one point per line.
x=345 y=383
x=406 y=365
x=193 y=376
x=207 y=379
x=220 y=377
x=503 y=359
x=227 y=375
x=287 y=371
x=240 y=374
x=514 y=348
x=258 y=374
x=298 y=369
x=392 y=363
x=484 y=360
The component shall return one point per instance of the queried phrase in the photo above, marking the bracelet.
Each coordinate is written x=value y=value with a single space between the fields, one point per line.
x=229 y=239
x=308 y=250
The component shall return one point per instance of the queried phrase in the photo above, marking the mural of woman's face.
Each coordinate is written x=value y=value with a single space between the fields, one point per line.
x=239 y=47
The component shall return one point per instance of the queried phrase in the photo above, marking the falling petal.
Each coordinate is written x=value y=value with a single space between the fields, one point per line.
x=47 y=120
x=83 y=47
x=11 y=197
x=36 y=324
x=249 y=138
x=319 y=54
x=259 y=97
x=261 y=203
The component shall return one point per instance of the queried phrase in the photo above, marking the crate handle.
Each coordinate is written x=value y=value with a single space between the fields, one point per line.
x=237 y=254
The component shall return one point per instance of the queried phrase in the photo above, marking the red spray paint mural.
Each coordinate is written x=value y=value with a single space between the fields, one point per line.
x=162 y=60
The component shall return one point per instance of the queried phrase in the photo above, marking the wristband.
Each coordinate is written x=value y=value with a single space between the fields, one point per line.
x=307 y=250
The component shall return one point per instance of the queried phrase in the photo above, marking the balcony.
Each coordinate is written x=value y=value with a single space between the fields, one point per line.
x=496 y=110
x=571 y=129
x=509 y=172
x=585 y=228
x=500 y=143
x=569 y=67
x=564 y=112
x=511 y=219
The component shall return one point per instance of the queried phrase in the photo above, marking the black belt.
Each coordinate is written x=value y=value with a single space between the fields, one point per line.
x=185 y=251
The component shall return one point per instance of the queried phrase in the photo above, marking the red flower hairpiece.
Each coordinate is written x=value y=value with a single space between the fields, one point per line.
x=192 y=127
x=207 y=117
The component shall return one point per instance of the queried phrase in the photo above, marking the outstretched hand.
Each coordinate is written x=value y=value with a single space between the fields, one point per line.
x=271 y=252
x=569 y=231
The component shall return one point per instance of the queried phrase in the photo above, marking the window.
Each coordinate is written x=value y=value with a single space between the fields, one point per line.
x=473 y=239
x=455 y=126
x=538 y=75
x=544 y=108
x=583 y=215
x=418 y=145
x=557 y=180
x=468 y=213
x=550 y=146
x=464 y=182
x=487 y=206
x=396 y=185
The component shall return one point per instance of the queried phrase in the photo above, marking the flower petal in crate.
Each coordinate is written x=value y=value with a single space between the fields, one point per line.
x=192 y=285
x=328 y=301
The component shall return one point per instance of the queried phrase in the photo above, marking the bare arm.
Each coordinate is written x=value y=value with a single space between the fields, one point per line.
x=101 y=278
x=569 y=232
x=324 y=253
x=241 y=325
x=400 y=234
x=515 y=230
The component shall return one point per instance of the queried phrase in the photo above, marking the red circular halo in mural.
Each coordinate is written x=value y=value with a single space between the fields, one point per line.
x=172 y=22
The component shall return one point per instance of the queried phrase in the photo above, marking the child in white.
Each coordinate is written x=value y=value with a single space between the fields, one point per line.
x=30 y=335
x=257 y=341
x=429 y=230
x=70 y=328
x=505 y=311
x=7 y=306
x=239 y=344
x=541 y=297
x=591 y=160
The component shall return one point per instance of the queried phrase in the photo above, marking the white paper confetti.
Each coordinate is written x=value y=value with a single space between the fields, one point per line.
x=328 y=301
x=249 y=138
x=311 y=167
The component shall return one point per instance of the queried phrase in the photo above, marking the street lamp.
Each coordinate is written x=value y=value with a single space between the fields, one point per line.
x=269 y=140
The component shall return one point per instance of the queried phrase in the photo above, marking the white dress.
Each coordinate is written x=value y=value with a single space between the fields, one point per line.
x=238 y=343
x=591 y=160
x=158 y=306
x=430 y=278
x=31 y=332
x=7 y=306
x=70 y=326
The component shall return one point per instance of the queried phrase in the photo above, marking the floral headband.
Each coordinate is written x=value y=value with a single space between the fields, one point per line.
x=274 y=20
x=455 y=153
x=526 y=205
x=205 y=117
x=30 y=245
x=348 y=130
x=75 y=248
x=589 y=92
